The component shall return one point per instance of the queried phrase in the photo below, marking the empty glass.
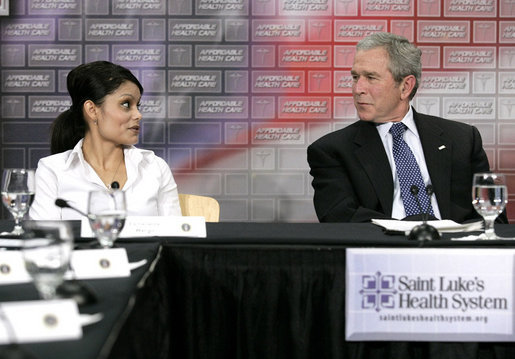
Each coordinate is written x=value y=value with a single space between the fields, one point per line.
x=106 y=213
x=18 y=189
x=489 y=197
x=47 y=249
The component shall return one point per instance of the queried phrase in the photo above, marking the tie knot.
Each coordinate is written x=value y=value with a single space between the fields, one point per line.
x=398 y=129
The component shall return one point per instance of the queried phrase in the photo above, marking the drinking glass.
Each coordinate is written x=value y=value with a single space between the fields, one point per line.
x=489 y=197
x=17 y=194
x=47 y=249
x=106 y=213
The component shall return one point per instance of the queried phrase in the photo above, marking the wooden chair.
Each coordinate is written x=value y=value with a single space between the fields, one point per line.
x=194 y=205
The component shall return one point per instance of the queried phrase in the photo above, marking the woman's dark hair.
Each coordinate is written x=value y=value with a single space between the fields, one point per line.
x=92 y=81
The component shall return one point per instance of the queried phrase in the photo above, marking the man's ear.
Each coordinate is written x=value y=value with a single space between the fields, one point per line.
x=407 y=86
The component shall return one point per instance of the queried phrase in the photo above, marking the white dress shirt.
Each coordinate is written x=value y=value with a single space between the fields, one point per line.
x=150 y=189
x=412 y=138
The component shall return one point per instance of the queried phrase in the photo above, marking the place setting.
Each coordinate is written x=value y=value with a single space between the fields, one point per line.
x=489 y=199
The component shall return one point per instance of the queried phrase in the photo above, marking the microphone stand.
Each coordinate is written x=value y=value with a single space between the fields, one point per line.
x=74 y=288
x=424 y=231
x=61 y=203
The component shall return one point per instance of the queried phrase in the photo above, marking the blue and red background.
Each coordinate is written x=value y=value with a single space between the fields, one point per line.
x=235 y=90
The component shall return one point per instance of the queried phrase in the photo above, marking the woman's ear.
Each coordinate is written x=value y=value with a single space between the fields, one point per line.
x=90 y=111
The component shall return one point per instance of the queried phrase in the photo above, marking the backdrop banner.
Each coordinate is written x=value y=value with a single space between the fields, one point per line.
x=236 y=90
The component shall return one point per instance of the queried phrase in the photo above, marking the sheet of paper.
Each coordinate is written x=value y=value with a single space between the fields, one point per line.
x=443 y=226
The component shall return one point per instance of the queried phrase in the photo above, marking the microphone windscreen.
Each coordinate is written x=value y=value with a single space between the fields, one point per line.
x=61 y=203
x=429 y=190
x=414 y=190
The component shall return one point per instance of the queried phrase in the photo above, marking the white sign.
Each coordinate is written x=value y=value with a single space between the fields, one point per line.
x=156 y=226
x=12 y=268
x=85 y=264
x=425 y=294
x=39 y=321
x=99 y=263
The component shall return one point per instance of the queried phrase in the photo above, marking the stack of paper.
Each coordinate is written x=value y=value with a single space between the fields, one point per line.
x=443 y=226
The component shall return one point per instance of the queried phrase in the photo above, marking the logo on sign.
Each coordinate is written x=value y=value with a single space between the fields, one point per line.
x=378 y=291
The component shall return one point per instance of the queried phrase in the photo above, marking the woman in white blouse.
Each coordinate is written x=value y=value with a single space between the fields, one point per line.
x=92 y=148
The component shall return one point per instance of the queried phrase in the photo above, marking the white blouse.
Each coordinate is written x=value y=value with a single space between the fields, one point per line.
x=150 y=189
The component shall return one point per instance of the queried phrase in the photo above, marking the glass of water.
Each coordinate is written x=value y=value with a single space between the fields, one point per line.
x=18 y=189
x=106 y=213
x=47 y=249
x=489 y=197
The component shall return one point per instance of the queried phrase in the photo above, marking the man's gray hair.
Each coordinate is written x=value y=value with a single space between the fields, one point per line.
x=404 y=57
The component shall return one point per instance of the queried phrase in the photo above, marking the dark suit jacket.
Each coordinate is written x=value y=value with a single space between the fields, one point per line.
x=353 y=180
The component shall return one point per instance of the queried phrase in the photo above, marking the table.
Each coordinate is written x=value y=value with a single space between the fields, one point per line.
x=248 y=290
x=119 y=299
x=277 y=291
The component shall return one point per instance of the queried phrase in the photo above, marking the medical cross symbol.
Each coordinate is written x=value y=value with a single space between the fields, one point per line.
x=378 y=291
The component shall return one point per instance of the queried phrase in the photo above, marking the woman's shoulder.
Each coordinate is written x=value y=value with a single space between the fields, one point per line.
x=144 y=156
x=62 y=159
x=56 y=160
x=146 y=164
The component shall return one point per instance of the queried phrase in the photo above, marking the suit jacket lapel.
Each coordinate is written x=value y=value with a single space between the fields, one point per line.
x=438 y=153
x=372 y=156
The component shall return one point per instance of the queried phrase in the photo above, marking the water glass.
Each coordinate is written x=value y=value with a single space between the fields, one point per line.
x=47 y=250
x=489 y=197
x=106 y=212
x=18 y=189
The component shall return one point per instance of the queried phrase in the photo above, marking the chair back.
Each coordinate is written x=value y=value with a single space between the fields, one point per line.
x=195 y=205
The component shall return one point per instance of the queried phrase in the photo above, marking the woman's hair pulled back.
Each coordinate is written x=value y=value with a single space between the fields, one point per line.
x=92 y=81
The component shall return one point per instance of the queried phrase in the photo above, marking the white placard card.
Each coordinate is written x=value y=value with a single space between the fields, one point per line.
x=99 y=263
x=429 y=294
x=86 y=264
x=39 y=321
x=12 y=268
x=156 y=226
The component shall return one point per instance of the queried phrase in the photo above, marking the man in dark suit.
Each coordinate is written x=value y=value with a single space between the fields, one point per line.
x=354 y=169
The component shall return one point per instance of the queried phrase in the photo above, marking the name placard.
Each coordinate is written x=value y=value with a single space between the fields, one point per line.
x=12 y=268
x=85 y=264
x=423 y=294
x=99 y=263
x=156 y=226
x=39 y=321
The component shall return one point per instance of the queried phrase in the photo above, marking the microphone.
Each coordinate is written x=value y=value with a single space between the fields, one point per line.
x=61 y=203
x=414 y=191
x=424 y=231
x=115 y=185
x=429 y=192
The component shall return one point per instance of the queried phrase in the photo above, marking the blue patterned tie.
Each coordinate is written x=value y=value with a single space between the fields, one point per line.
x=408 y=173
